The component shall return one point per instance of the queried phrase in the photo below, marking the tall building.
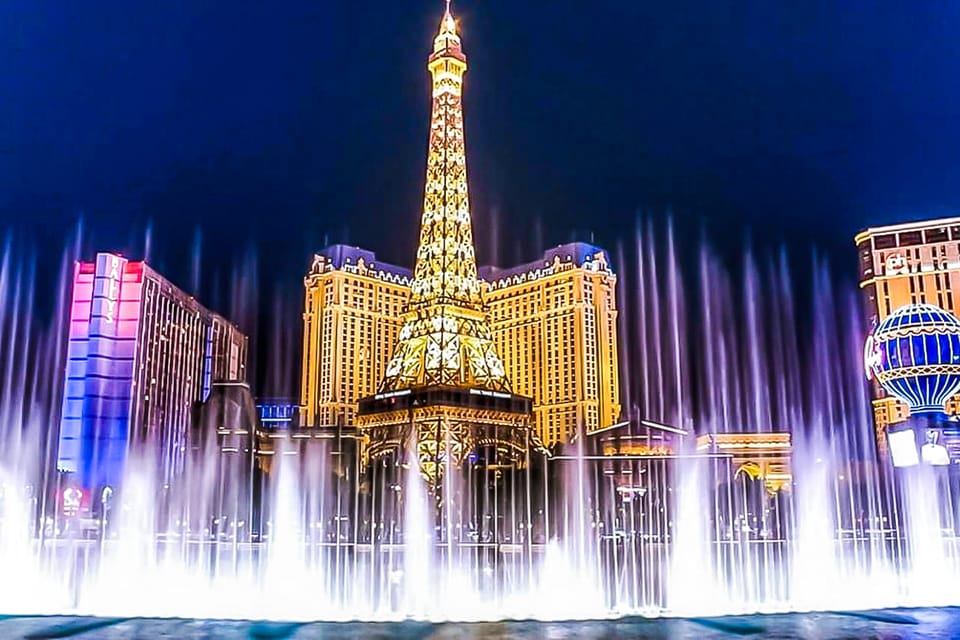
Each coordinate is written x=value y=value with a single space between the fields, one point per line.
x=141 y=352
x=445 y=387
x=558 y=309
x=916 y=262
x=553 y=322
x=351 y=322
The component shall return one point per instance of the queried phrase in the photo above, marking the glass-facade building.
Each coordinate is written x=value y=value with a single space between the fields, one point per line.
x=141 y=353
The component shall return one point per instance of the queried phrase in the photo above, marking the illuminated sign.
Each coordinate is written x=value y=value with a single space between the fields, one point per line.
x=906 y=449
x=392 y=394
x=492 y=394
x=72 y=499
x=637 y=450
x=113 y=288
x=903 y=448
x=896 y=264
x=872 y=356
x=932 y=452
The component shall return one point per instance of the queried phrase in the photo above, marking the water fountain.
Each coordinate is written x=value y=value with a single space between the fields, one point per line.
x=713 y=359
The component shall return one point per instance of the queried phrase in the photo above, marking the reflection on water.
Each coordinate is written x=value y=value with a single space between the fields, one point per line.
x=913 y=623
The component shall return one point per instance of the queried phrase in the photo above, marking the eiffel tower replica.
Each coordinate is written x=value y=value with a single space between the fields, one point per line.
x=445 y=394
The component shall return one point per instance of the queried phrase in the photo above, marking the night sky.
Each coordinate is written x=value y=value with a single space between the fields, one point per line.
x=277 y=126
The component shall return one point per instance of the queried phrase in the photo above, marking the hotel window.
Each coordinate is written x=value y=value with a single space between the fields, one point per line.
x=885 y=241
x=911 y=238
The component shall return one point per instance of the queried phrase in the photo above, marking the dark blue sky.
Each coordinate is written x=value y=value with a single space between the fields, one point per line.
x=280 y=123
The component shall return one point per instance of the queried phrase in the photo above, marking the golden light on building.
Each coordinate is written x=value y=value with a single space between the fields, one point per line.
x=445 y=389
x=543 y=333
x=351 y=323
x=555 y=323
x=917 y=262
x=763 y=457
x=445 y=339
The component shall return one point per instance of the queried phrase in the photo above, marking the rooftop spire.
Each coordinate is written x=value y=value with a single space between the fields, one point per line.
x=447 y=42
x=445 y=357
x=448 y=25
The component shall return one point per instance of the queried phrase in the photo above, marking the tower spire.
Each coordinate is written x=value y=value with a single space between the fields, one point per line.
x=446 y=339
x=445 y=392
x=448 y=20
x=447 y=42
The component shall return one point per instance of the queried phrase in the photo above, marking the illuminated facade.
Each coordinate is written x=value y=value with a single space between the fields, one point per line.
x=555 y=323
x=351 y=323
x=763 y=457
x=277 y=413
x=904 y=264
x=560 y=308
x=140 y=354
x=547 y=329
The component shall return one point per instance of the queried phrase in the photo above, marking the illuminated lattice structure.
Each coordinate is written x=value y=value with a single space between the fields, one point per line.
x=445 y=385
x=445 y=339
x=915 y=355
x=553 y=320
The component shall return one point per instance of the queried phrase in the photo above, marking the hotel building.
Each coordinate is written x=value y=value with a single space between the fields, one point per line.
x=351 y=321
x=141 y=353
x=554 y=324
x=903 y=264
